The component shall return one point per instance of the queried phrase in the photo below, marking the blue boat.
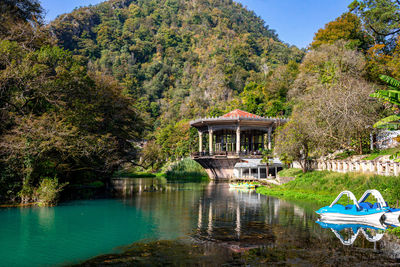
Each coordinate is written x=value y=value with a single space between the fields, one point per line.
x=391 y=216
x=353 y=212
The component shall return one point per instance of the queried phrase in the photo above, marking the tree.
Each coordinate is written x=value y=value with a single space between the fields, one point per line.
x=60 y=121
x=294 y=143
x=347 y=27
x=381 y=19
x=330 y=92
x=21 y=10
x=151 y=156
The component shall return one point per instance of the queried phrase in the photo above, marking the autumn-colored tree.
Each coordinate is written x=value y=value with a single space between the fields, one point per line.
x=347 y=27
x=330 y=111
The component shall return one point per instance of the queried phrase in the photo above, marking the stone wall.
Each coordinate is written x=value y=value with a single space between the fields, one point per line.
x=386 y=168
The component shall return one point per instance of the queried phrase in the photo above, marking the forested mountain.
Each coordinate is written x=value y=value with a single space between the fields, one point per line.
x=177 y=58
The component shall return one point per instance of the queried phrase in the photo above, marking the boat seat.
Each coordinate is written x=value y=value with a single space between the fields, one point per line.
x=365 y=205
x=349 y=207
x=376 y=206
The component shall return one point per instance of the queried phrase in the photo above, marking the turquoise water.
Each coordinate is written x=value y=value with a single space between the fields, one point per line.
x=79 y=230
x=67 y=233
x=213 y=217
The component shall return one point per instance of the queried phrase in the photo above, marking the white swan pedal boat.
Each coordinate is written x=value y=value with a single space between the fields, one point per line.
x=352 y=212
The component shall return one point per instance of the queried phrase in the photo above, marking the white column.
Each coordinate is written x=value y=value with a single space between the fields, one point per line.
x=238 y=140
x=249 y=172
x=371 y=166
x=200 y=142
x=259 y=173
x=395 y=169
x=378 y=167
x=210 y=141
x=387 y=171
x=269 y=138
x=371 y=139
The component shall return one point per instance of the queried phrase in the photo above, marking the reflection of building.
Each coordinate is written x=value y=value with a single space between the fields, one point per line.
x=242 y=219
x=237 y=136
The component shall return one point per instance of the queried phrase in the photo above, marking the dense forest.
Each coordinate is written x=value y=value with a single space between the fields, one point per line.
x=182 y=59
x=116 y=84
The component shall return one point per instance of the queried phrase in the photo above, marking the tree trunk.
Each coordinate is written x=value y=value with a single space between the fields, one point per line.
x=359 y=144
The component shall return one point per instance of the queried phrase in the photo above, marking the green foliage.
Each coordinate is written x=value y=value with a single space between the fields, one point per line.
x=184 y=59
x=347 y=27
x=345 y=154
x=329 y=110
x=48 y=191
x=381 y=19
x=392 y=95
x=290 y=172
x=375 y=154
x=186 y=169
x=177 y=140
x=58 y=119
x=324 y=186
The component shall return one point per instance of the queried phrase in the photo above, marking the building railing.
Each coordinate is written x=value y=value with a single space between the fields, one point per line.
x=227 y=153
x=386 y=168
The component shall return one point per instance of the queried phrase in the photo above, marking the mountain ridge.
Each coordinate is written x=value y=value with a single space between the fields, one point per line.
x=177 y=58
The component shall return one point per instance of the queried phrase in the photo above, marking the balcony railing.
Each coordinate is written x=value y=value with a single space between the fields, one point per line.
x=227 y=153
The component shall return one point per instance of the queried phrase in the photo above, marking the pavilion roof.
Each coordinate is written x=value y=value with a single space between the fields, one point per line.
x=237 y=113
x=233 y=117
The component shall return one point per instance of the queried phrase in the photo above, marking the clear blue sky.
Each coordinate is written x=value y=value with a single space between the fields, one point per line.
x=295 y=21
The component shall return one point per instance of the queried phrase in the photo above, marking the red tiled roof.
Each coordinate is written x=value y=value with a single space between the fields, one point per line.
x=240 y=113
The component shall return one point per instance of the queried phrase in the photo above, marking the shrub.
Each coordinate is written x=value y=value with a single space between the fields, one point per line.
x=186 y=169
x=48 y=191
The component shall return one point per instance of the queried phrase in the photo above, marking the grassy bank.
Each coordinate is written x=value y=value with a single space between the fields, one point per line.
x=187 y=170
x=324 y=186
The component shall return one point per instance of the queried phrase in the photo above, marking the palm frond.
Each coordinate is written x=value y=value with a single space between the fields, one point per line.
x=391 y=122
x=391 y=81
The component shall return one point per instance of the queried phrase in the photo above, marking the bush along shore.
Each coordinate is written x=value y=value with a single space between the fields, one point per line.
x=186 y=170
x=324 y=186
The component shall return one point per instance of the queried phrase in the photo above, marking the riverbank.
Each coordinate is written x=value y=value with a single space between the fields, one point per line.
x=323 y=186
x=184 y=170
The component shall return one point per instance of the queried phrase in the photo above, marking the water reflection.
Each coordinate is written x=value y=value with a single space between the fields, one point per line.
x=372 y=232
x=222 y=221
x=126 y=187
x=243 y=219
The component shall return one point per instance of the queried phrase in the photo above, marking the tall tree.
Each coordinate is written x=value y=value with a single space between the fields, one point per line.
x=381 y=19
x=330 y=93
x=347 y=27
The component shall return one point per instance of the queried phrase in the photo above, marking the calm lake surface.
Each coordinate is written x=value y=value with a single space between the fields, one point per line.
x=156 y=223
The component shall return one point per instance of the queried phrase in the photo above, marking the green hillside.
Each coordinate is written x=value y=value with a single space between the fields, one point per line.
x=178 y=59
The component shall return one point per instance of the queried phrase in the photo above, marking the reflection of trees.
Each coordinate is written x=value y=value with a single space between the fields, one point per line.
x=223 y=221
